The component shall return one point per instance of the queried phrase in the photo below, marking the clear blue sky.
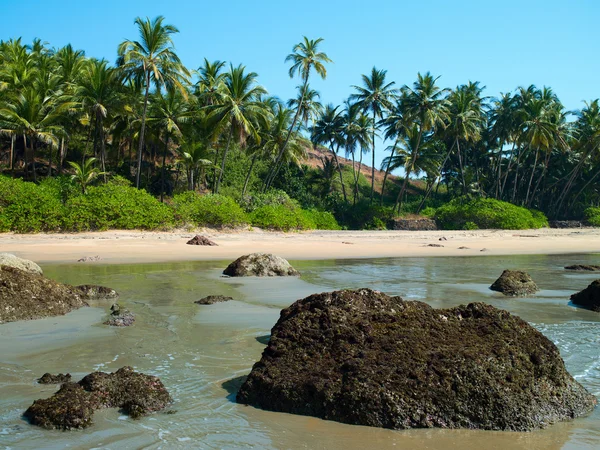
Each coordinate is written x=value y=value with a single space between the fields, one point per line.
x=503 y=44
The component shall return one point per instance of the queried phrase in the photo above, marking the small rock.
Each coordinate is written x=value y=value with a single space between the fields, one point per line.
x=584 y=268
x=434 y=245
x=484 y=250
x=260 y=265
x=464 y=248
x=119 y=317
x=89 y=259
x=515 y=283
x=212 y=299
x=589 y=298
x=200 y=240
x=348 y=243
x=10 y=260
x=48 y=378
x=442 y=239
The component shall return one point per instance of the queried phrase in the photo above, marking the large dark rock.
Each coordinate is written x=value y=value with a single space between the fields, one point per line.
x=423 y=224
x=260 y=265
x=48 y=378
x=25 y=296
x=583 y=268
x=589 y=298
x=515 y=283
x=212 y=299
x=74 y=404
x=94 y=292
x=361 y=357
x=200 y=240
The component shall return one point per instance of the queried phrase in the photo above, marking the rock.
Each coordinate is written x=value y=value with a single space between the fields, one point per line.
x=93 y=292
x=565 y=224
x=48 y=378
x=89 y=259
x=515 y=283
x=413 y=224
x=584 y=267
x=361 y=357
x=484 y=250
x=443 y=238
x=119 y=317
x=74 y=404
x=589 y=298
x=26 y=296
x=200 y=240
x=10 y=260
x=260 y=265
x=212 y=299
x=434 y=245
x=464 y=248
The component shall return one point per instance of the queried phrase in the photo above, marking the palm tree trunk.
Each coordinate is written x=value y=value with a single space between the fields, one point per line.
x=25 y=156
x=61 y=155
x=223 y=162
x=373 y=162
x=541 y=177
x=355 y=178
x=398 y=203
x=12 y=152
x=358 y=172
x=531 y=177
x=462 y=170
x=50 y=162
x=515 y=183
x=387 y=171
x=102 y=150
x=510 y=160
x=437 y=179
x=254 y=158
x=142 y=131
x=31 y=143
x=339 y=168
x=162 y=170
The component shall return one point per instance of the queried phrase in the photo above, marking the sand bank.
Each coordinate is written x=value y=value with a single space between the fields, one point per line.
x=116 y=247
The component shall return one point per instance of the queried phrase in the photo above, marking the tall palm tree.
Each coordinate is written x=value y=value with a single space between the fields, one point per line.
x=307 y=103
x=376 y=96
x=152 y=59
x=237 y=109
x=305 y=57
x=356 y=129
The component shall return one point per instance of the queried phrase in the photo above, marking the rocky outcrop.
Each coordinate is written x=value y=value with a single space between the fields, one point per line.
x=515 y=283
x=10 y=260
x=25 y=296
x=74 y=404
x=48 y=378
x=566 y=224
x=212 y=299
x=119 y=317
x=361 y=357
x=583 y=268
x=200 y=240
x=589 y=298
x=94 y=292
x=260 y=265
x=423 y=224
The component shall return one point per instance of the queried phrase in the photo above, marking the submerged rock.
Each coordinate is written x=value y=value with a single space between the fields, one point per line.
x=260 y=265
x=10 y=260
x=515 y=283
x=361 y=357
x=74 y=404
x=589 y=298
x=200 y=240
x=48 y=378
x=25 y=296
x=119 y=317
x=212 y=299
x=584 y=267
x=93 y=292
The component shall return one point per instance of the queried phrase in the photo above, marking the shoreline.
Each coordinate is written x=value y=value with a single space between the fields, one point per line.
x=126 y=247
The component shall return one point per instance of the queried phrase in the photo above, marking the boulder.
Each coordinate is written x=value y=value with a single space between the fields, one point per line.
x=94 y=292
x=48 y=378
x=200 y=240
x=10 y=260
x=26 y=296
x=362 y=357
x=589 y=298
x=212 y=299
x=583 y=268
x=74 y=404
x=119 y=317
x=515 y=283
x=260 y=265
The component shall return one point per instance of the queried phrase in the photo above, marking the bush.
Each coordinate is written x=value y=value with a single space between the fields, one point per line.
x=271 y=198
x=28 y=208
x=116 y=205
x=364 y=216
x=592 y=214
x=323 y=220
x=466 y=213
x=211 y=210
x=279 y=217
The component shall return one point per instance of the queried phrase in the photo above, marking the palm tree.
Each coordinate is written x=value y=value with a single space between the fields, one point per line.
x=305 y=57
x=194 y=157
x=209 y=82
x=85 y=174
x=356 y=130
x=307 y=103
x=239 y=105
x=152 y=59
x=375 y=96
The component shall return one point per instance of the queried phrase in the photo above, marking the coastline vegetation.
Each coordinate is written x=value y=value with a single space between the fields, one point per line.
x=147 y=143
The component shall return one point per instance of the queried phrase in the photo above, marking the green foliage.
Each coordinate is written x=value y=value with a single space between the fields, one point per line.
x=323 y=220
x=428 y=212
x=280 y=217
x=364 y=216
x=592 y=214
x=63 y=186
x=29 y=208
x=466 y=213
x=114 y=206
x=271 y=198
x=212 y=210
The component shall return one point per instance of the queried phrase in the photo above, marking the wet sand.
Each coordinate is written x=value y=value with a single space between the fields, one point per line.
x=118 y=247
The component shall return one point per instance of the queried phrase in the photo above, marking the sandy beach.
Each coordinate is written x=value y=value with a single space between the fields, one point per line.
x=116 y=247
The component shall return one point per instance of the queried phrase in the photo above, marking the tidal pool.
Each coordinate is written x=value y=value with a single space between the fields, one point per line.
x=202 y=352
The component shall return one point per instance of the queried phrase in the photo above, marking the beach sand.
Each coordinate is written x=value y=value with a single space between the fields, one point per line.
x=119 y=247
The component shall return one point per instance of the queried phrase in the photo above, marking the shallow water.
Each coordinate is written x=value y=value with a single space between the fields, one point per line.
x=201 y=352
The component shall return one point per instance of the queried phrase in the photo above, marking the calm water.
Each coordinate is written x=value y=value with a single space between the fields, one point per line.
x=201 y=352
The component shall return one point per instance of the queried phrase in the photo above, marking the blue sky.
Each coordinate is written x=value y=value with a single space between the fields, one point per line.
x=503 y=44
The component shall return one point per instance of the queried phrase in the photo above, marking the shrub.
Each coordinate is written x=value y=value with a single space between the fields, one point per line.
x=465 y=213
x=323 y=220
x=116 y=205
x=28 y=208
x=592 y=214
x=271 y=198
x=279 y=217
x=211 y=210
x=364 y=216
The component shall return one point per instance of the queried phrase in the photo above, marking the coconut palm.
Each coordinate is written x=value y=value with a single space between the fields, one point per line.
x=356 y=130
x=85 y=173
x=210 y=81
x=375 y=96
x=152 y=59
